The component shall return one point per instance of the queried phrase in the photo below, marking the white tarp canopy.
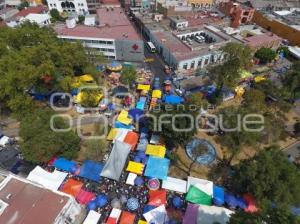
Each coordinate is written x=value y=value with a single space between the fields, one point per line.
x=213 y=214
x=116 y=161
x=204 y=185
x=115 y=213
x=174 y=184
x=4 y=140
x=130 y=179
x=157 y=216
x=49 y=180
x=92 y=218
x=295 y=51
x=121 y=134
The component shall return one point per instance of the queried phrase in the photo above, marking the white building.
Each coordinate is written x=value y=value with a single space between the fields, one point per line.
x=2 y=4
x=40 y=19
x=73 y=6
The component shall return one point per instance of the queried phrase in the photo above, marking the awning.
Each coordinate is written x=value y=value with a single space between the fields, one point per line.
x=127 y=218
x=116 y=161
x=49 y=180
x=135 y=167
x=157 y=216
x=91 y=170
x=114 y=216
x=204 y=185
x=92 y=218
x=64 y=164
x=123 y=117
x=157 y=198
x=197 y=196
x=174 y=184
x=132 y=139
x=156 y=150
x=143 y=87
x=84 y=197
x=157 y=167
x=72 y=187
x=156 y=94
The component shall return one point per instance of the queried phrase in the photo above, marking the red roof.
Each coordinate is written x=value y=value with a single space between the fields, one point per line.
x=110 y=2
x=24 y=12
x=261 y=39
x=113 y=17
x=29 y=204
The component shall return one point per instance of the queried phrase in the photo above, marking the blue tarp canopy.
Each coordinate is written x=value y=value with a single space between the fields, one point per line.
x=135 y=113
x=234 y=202
x=91 y=170
x=140 y=105
x=157 y=167
x=64 y=164
x=143 y=99
x=118 y=124
x=171 y=99
x=218 y=195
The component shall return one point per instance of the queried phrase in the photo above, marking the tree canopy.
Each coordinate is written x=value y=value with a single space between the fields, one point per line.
x=265 y=55
x=40 y=143
x=270 y=177
x=28 y=54
x=129 y=75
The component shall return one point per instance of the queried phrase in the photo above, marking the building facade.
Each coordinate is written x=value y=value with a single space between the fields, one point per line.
x=73 y=6
x=201 y=3
x=240 y=14
x=2 y=4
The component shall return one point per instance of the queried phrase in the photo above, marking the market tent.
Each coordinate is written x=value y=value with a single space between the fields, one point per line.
x=156 y=150
x=132 y=139
x=143 y=87
x=72 y=187
x=157 y=167
x=123 y=117
x=135 y=113
x=157 y=198
x=195 y=195
x=140 y=105
x=49 y=180
x=91 y=170
x=190 y=216
x=156 y=94
x=218 y=195
x=127 y=218
x=157 y=216
x=172 y=99
x=251 y=205
x=114 y=66
x=204 y=185
x=64 y=164
x=213 y=214
x=116 y=161
x=4 y=140
x=130 y=179
x=234 y=202
x=174 y=184
x=135 y=167
x=112 y=134
x=84 y=197
x=114 y=216
x=121 y=134
x=92 y=218
x=142 y=222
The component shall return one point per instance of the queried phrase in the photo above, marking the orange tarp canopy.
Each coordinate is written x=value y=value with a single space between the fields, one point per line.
x=157 y=198
x=132 y=139
x=127 y=218
x=72 y=187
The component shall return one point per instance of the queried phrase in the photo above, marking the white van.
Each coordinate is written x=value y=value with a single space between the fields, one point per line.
x=151 y=47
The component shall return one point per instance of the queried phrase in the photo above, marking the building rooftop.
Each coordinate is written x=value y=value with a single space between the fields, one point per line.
x=27 y=203
x=115 y=32
x=112 y=17
x=258 y=40
x=29 y=10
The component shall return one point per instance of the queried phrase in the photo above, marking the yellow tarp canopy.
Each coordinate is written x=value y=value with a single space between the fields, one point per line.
x=79 y=97
x=142 y=222
x=259 y=78
x=143 y=87
x=112 y=134
x=245 y=74
x=123 y=117
x=240 y=90
x=156 y=150
x=135 y=167
x=82 y=80
x=156 y=94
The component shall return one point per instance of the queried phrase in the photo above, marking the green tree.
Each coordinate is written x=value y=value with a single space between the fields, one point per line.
x=297 y=128
x=254 y=100
x=55 y=16
x=165 y=123
x=269 y=177
x=284 y=50
x=81 y=19
x=24 y=4
x=265 y=55
x=198 y=100
x=129 y=75
x=95 y=149
x=90 y=97
x=238 y=56
x=40 y=143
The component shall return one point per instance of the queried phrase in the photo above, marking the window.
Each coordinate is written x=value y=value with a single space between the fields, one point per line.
x=199 y=63
x=192 y=64
x=110 y=50
x=54 y=5
x=185 y=66
x=206 y=61
x=50 y=5
x=109 y=42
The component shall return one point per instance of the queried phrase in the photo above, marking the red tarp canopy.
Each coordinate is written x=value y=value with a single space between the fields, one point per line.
x=251 y=205
x=157 y=198
x=127 y=218
x=132 y=139
x=72 y=187
x=111 y=220
x=85 y=197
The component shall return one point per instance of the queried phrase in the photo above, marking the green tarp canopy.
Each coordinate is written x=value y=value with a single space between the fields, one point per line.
x=195 y=195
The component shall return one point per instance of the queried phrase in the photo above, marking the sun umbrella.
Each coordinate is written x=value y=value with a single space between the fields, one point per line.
x=138 y=181
x=101 y=200
x=133 y=204
x=116 y=203
x=153 y=184
x=177 y=202
x=92 y=205
x=114 y=66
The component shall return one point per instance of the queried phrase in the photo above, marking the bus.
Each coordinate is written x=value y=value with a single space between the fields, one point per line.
x=151 y=47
